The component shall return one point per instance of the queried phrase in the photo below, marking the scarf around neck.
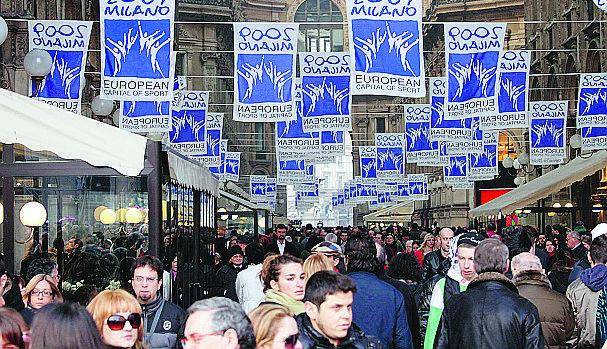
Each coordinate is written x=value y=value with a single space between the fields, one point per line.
x=295 y=306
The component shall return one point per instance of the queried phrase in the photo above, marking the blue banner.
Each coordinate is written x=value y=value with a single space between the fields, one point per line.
x=292 y=142
x=592 y=100
x=188 y=131
x=258 y=187
x=219 y=171
x=67 y=42
x=472 y=51
x=368 y=162
x=483 y=166
x=512 y=92
x=231 y=160
x=387 y=46
x=547 y=132
x=442 y=129
x=456 y=172
x=418 y=186
x=390 y=155
x=417 y=132
x=325 y=79
x=403 y=190
x=214 y=127
x=137 y=49
x=264 y=71
x=332 y=143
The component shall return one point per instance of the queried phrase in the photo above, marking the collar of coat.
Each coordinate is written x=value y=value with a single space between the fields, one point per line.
x=531 y=277
x=493 y=276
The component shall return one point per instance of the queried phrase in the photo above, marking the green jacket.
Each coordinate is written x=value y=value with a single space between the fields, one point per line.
x=437 y=304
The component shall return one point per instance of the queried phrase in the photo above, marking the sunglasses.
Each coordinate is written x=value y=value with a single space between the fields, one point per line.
x=291 y=341
x=116 y=322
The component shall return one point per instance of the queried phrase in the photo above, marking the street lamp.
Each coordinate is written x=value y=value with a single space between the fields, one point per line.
x=3 y=30
x=33 y=215
x=575 y=141
x=102 y=107
x=38 y=64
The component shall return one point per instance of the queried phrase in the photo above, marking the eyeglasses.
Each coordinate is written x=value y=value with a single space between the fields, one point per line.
x=116 y=322
x=43 y=293
x=196 y=338
x=291 y=341
x=140 y=279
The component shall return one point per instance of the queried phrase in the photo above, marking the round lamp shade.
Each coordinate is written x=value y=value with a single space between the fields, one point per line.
x=121 y=213
x=32 y=214
x=97 y=212
x=108 y=216
x=523 y=158
x=575 y=141
x=133 y=215
x=507 y=162
x=37 y=63
x=102 y=107
x=3 y=30
x=516 y=164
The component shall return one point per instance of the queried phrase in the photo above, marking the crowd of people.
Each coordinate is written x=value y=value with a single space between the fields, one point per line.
x=303 y=288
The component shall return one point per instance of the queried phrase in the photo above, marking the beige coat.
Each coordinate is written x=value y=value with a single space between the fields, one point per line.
x=584 y=302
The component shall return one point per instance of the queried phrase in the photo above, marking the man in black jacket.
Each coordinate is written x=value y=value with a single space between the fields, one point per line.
x=226 y=276
x=280 y=245
x=490 y=314
x=437 y=262
x=327 y=322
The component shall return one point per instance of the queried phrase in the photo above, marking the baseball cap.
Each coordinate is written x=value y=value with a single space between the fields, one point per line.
x=470 y=239
x=327 y=247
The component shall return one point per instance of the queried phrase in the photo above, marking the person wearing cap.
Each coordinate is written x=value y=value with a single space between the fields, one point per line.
x=330 y=250
x=456 y=281
x=226 y=275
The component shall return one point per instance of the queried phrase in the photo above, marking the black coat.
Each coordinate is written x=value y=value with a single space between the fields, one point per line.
x=412 y=314
x=490 y=314
x=579 y=252
x=312 y=339
x=226 y=281
x=290 y=248
x=435 y=263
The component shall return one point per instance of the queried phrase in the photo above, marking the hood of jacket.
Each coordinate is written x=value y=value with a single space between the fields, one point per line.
x=531 y=277
x=595 y=278
x=493 y=276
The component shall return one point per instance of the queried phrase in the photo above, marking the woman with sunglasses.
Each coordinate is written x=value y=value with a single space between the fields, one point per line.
x=40 y=291
x=274 y=327
x=117 y=315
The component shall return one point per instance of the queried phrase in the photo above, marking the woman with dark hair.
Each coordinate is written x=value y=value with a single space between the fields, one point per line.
x=65 y=326
x=284 y=281
x=404 y=267
x=14 y=333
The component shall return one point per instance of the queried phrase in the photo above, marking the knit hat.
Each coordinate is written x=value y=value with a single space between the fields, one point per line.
x=470 y=239
x=234 y=250
x=327 y=247
x=600 y=229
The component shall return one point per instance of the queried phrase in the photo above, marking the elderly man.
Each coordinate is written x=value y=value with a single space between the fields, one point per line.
x=574 y=243
x=437 y=262
x=218 y=323
x=556 y=314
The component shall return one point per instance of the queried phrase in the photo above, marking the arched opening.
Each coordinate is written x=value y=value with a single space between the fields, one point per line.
x=593 y=59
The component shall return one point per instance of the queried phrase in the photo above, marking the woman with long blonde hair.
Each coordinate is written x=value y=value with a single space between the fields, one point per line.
x=274 y=327
x=428 y=245
x=117 y=315
x=315 y=263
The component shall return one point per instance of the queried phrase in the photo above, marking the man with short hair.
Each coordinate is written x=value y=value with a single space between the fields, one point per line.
x=455 y=282
x=280 y=245
x=327 y=322
x=437 y=262
x=556 y=315
x=490 y=314
x=584 y=292
x=379 y=308
x=574 y=243
x=218 y=323
x=161 y=319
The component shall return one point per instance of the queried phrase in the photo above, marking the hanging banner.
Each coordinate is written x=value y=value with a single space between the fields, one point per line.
x=418 y=186
x=137 y=46
x=231 y=164
x=547 y=132
x=594 y=138
x=271 y=192
x=386 y=43
x=294 y=171
x=417 y=132
x=264 y=71
x=390 y=156
x=472 y=51
x=442 y=129
x=456 y=173
x=219 y=171
x=367 y=191
x=592 y=100
x=258 y=187
x=403 y=190
x=213 y=126
x=293 y=143
x=384 y=194
x=145 y=116
x=67 y=42
x=188 y=133
x=368 y=162
x=484 y=166
x=332 y=143
x=325 y=80
x=512 y=92
x=465 y=147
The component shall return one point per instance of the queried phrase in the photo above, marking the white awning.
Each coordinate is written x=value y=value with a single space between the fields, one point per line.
x=539 y=188
x=238 y=199
x=190 y=173
x=400 y=212
x=43 y=127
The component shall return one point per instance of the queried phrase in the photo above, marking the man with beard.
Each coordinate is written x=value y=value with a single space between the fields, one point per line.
x=161 y=319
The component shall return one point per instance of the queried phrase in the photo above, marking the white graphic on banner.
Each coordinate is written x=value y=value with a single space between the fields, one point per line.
x=137 y=47
x=442 y=129
x=417 y=131
x=325 y=80
x=188 y=131
x=67 y=43
x=387 y=46
x=368 y=162
x=483 y=166
x=512 y=92
x=258 y=187
x=264 y=71
x=219 y=171
x=390 y=155
x=547 y=132
x=214 y=126
x=472 y=51
x=232 y=166
x=418 y=186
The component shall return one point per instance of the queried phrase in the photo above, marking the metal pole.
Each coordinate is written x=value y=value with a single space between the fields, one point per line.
x=154 y=186
x=8 y=200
